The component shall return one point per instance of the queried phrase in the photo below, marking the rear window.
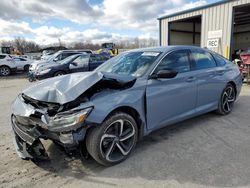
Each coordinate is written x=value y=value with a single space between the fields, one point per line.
x=2 y=56
x=98 y=58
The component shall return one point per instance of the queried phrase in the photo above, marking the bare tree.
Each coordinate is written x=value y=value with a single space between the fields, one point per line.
x=21 y=45
x=24 y=46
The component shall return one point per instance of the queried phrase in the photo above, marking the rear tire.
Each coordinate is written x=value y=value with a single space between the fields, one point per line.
x=227 y=100
x=111 y=142
x=59 y=73
x=26 y=68
x=31 y=80
x=5 y=71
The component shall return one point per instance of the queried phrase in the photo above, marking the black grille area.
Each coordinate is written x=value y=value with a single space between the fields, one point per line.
x=22 y=131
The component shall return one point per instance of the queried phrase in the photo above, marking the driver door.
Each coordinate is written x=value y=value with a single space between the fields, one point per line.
x=80 y=64
x=173 y=99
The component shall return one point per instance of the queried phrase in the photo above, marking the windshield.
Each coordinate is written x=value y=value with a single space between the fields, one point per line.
x=66 y=60
x=52 y=57
x=132 y=63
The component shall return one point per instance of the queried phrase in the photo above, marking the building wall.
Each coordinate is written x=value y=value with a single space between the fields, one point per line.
x=218 y=17
x=242 y=37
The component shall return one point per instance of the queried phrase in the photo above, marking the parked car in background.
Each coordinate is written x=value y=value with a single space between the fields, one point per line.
x=242 y=68
x=58 y=56
x=46 y=56
x=22 y=63
x=75 y=63
x=7 y=65
x=109 y=109
x=242 y=59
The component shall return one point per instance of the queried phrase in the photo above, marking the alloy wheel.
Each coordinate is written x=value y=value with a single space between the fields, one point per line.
x=5 y=71
x=59 y=74
x=117 y=140
x=228 y=99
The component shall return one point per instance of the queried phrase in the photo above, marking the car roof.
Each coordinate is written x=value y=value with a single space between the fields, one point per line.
x=80 y=50
x=169 y=48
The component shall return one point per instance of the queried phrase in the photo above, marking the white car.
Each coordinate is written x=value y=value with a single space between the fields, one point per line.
x=22 y=63
x=7 y=65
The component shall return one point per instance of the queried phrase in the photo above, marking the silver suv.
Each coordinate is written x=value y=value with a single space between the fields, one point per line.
x=7 y=65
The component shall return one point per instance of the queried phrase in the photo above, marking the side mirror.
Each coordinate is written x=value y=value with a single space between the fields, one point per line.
x=164 y=74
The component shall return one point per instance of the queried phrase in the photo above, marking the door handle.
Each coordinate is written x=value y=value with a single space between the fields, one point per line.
x=191 y=79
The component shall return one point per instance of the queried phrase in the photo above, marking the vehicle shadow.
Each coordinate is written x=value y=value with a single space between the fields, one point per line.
x=206 y=150
x=15 y=76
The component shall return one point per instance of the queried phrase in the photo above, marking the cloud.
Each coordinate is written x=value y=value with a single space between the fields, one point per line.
x=185 y=7
x=117 y=15
x=75 y=10
x=46 y=35
x=10 y=28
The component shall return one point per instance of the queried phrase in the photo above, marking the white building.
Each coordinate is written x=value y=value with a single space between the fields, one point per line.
x=223 y=26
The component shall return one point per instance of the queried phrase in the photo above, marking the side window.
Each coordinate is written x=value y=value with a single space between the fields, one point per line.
x=21 y=59
x=65 y=55
x=177 y=61
x=94 y=59
x=2 y=56
x=220 y=60
x=203 y=60
x=104 y=58
x=58 y=58
x=81 y=60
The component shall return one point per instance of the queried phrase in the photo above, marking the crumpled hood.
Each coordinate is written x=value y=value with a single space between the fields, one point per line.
x=63 y=89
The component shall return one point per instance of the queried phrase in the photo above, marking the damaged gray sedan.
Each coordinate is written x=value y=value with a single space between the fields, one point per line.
x=105 y=112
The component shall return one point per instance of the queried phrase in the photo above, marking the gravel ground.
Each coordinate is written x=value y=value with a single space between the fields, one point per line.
x=207 y=151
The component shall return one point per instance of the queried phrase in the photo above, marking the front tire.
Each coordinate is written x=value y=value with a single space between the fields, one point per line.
x=112 y=141
x=5 y=71
x=227 y=100
x=59 y=73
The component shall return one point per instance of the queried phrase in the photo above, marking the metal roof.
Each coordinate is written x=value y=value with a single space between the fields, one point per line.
x=194 y=9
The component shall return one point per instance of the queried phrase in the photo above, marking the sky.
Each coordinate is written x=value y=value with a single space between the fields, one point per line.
x=48 y=21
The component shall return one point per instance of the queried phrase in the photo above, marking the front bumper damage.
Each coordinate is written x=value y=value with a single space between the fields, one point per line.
x=29 y=130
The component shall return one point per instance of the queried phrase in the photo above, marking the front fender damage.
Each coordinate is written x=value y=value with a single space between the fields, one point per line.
x=32 y=108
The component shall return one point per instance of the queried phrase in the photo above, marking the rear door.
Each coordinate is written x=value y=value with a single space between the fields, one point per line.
x=20 y=62
x=95 y=61
x=174 y=99
x=209 y=80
